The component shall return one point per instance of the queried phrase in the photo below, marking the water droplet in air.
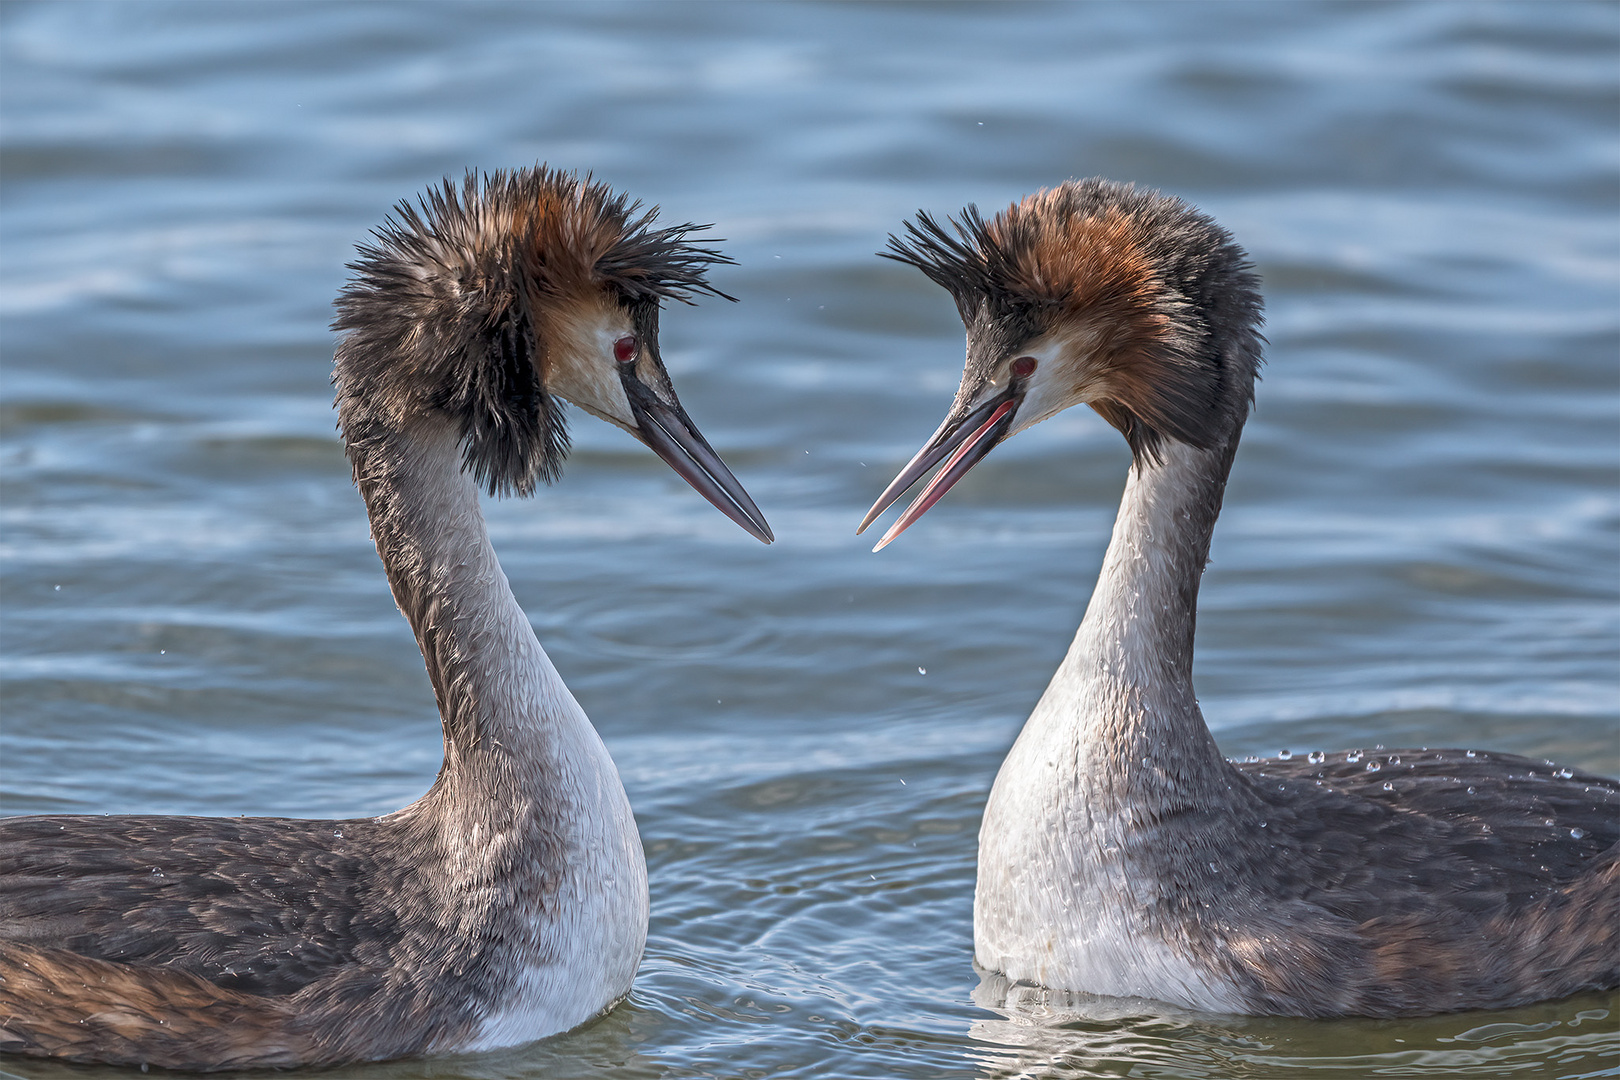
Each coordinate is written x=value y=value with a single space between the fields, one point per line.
x=922 y=671
x=1285 y=754
x=1577 y=833
x=1317 y=757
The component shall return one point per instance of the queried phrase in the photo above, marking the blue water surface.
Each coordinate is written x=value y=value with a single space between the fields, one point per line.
x=1421 y=542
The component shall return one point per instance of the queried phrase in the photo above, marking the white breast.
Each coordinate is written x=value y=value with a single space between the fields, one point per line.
x=586 y=943
x=1062 y=898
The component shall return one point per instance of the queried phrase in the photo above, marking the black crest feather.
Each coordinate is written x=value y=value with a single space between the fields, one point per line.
x=963 y=259
x=513 y=432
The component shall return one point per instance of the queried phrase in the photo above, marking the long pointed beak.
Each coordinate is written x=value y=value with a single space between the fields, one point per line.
x=670 y=434
x=966 y=443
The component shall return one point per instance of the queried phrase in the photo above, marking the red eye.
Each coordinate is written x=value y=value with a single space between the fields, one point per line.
x=624 y=350
x=1024 y=367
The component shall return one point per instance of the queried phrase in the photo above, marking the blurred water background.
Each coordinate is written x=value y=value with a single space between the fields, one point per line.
x=1421 y=543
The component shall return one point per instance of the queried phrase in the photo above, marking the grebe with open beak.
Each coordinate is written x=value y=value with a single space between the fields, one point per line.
x=1120 y=853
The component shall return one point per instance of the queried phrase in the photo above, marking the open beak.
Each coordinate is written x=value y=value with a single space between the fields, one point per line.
x=966 y=442
x=670 y=434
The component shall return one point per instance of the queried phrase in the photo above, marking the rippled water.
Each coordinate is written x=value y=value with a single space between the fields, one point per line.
x=1419 y=546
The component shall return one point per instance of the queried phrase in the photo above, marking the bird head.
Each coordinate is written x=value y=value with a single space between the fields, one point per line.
x=485 y=304
x=1092 y=292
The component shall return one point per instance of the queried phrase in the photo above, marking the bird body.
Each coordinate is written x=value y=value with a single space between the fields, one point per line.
x=1120 y=853
x=510 y=901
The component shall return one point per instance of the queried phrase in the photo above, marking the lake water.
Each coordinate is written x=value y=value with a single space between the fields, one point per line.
x=1421 y=542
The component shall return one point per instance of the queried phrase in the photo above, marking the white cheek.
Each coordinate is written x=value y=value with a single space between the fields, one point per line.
x=585 y=372
x=1045 y=395
x=609 y=383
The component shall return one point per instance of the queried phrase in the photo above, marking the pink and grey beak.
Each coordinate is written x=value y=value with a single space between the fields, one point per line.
x=961 y=445
x=670 y=433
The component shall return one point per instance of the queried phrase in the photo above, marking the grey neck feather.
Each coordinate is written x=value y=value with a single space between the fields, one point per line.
x=1127 y=679
x=490 y=676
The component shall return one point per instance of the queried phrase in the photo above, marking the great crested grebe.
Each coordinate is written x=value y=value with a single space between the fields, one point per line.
x=1120 y=853
x=510 y=901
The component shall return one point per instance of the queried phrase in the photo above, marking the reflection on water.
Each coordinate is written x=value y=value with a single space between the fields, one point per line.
x=1056 y=1035
x=1421 y=541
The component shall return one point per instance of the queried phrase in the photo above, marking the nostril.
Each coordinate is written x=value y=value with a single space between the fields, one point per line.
x=624 y=350
x=1024 y=366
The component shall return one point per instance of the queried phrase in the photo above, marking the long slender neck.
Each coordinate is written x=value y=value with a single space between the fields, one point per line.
x=1139 y=624
x=526 y=841
x=497 y=691
x=1125 y=688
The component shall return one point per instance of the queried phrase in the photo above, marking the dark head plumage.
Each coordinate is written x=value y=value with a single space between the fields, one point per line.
x=468 y=305
x=1161 y=301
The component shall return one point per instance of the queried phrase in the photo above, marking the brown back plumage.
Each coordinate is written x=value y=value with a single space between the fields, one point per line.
x=57 y=1003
